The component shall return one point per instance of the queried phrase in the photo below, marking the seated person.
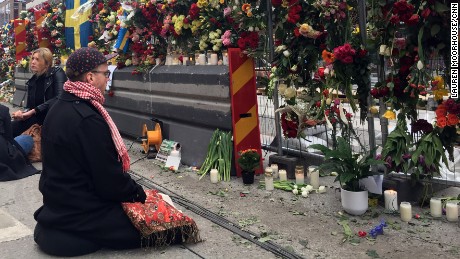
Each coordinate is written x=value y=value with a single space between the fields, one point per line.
x=13 y=160
x=42 y=90
x=84 y=179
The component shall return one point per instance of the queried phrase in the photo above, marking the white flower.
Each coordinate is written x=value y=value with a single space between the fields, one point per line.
x=280 y=48
x=342 y=114
x=294 y=68
x=282 y=88
x=286 y=53
x=295 y=191
x=251 y=28
x=290 y=93
x=302 y=189
x=305 y=194
x=322 y=189
x=308 y=188
x=419 y=65
x=382 y=49
x=59 y=24
x=328 y=101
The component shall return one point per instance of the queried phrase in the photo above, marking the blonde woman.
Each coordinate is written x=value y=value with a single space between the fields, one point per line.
x=42 y=90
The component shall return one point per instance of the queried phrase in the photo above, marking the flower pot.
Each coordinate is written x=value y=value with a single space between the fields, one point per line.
x=248 y=177
x=354 y=203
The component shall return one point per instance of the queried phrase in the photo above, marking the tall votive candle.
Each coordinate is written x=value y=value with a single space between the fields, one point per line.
x=435 y=207
x=283 y=175
x=214 y=176
x=299 y=175
x=314 y=177
x=452 y=211
x=269 y=179
x=406 y=211
x=274 y=167
x=214 y=59
x=391 y=200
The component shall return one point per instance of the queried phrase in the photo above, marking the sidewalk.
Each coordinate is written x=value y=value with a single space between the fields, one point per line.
x=307 y=226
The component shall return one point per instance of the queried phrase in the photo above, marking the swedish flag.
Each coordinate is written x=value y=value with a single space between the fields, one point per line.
x=77 y=25
x=122 y=40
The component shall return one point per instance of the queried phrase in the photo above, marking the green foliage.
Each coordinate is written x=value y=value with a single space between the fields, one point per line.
x=249 y=160
x=349 y=167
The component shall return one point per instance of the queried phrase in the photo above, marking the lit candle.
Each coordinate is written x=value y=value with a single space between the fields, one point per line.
x=406 y=211
x=214 y=59
x=269 y=179
x=202 y=59
x=452 y=211
x=435 y=207
x=314 y=177
x=275 y=170
x=214 y=176
x=299 y=175
x=225 y=58
x=391 y=200
x=283 y=175
x=175 y=61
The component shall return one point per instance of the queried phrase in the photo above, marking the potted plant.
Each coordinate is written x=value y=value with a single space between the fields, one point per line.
x=248 y=161
x=350 y=168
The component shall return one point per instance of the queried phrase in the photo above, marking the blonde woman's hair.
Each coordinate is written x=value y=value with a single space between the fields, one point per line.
x=45 y=54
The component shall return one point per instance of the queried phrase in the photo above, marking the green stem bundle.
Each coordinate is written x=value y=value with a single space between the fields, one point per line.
x=219 y=155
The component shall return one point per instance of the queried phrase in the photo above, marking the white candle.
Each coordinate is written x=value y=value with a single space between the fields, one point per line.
x=406 y=211
x=168 y=60
x=225 y=58
x=299 y=175
x=452 y=211
x=283 y=175
x=214 y=176
x=175 y=61
x=314 y=177
x=214 y=59
x=391 y=200
x=269 y=179
x=157 y=61
x=435 y=207
x=201 y=59
x=275 y=170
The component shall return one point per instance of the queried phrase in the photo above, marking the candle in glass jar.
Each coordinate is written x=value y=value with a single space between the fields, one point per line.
x=405 y=209
x=452 y=211
x=269 y=179
x=213 y=59
x=225 y=58
x=275 y=170
x=391 y=200
x=202 y=59
x=299 y=175
x=435 y=207
x=283 y=175
x=314 y=177
x=214 y=176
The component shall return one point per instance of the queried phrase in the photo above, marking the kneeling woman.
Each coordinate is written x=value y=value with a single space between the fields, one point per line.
x=85 y=185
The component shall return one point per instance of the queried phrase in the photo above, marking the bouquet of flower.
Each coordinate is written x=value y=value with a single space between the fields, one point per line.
x=249 y=160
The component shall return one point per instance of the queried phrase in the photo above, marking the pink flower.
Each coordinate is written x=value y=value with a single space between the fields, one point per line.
x=227 y=11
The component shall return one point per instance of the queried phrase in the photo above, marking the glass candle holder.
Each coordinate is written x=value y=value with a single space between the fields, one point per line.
x=436 y=207
x=299 y=175
x=269 y=179
x=452 y=211
x=405 y=209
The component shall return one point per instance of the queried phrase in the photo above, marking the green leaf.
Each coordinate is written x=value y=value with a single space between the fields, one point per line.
x=264 y=239
x=435 y=29
x=440 y=7
x=372 y=254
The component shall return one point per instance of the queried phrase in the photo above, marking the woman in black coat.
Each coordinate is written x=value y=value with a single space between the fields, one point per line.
x=42 y=90
x=13 y=162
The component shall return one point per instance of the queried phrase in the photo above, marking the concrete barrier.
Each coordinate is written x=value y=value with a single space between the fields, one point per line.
x=190 y=101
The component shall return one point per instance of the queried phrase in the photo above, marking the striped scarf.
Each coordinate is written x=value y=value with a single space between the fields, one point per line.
x=88 y=92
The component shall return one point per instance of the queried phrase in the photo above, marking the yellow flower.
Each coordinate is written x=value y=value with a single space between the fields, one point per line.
x=438 y=94
x=24 y=63
x=440 y=81
x=390 y=115
x=285 y=4
x=305 y=28
x=222 y=1
x=246 y=8
x=356 y=30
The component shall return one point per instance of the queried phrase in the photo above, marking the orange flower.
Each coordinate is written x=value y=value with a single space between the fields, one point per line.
x=328 y=57
x=452 y=119
x=246 y=8
x=442 y=121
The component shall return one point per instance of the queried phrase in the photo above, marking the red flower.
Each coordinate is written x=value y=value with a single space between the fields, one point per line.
x=296 y=32
x=321 y=72
x=413 y=20
x=362 y=233
x=277 y=3
x=426 y=12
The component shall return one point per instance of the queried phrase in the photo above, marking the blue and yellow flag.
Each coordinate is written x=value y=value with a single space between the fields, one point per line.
x=122 y=40
x=77 y=25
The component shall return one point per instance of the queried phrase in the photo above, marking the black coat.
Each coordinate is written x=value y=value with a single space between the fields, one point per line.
x=54 y=81
x=13 y=162
x=82 y=181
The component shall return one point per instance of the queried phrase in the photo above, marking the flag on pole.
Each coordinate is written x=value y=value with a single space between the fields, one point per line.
x=122 y=40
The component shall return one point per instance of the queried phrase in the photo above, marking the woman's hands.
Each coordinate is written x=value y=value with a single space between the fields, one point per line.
x=21 y=115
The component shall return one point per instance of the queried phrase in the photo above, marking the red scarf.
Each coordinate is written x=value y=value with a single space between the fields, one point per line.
x=88 y=92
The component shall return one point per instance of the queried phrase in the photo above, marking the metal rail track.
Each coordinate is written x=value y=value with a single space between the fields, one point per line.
x=207 y=214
